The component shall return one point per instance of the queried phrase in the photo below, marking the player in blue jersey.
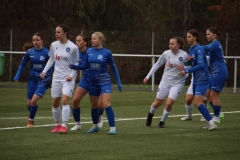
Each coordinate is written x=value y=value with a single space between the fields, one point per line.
x=83 y=86
x=100 y=81
x=62 y=52
x=200 y=72
x=38 y=57
x=219 y=71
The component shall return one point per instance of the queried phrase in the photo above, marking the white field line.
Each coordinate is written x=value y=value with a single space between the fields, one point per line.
x=116 y=119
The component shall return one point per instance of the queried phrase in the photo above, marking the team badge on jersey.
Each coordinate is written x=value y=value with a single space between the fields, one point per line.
x=180 y=58
x=100 y=57
x=68 y=49
x=42 y=58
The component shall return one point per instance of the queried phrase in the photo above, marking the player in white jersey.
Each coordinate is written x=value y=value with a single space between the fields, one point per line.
x=172 y=83
x=62 y=52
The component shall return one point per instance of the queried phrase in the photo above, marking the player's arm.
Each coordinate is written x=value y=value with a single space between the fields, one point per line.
x=159 y=63
x=76 y=61
x=22 y=66
x=200 y=63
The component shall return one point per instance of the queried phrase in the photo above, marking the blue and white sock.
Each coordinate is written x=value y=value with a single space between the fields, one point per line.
x=110 y=116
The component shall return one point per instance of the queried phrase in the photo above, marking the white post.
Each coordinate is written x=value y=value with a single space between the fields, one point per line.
x=153 y=61
x=10 y=68
x=235 y=76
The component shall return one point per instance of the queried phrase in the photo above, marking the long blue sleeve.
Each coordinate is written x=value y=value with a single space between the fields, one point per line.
x=195 y=68
x=79 y=67
x=117 y=77
x=19 y=72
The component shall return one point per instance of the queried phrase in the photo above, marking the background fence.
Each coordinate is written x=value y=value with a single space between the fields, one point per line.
x=132 y=68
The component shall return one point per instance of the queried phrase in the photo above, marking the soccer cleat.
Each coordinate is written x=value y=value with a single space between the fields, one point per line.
x=202 y=119
x=186 y=118
x=149 y=119
x=212 y=127
x=56 y=129
x=100 y=122
x=216 y=119
x=93 y=129
x=30 y=124
x=76 y=127
x=207 y=126
x=221 y=115
x=62 y=130
x=112 y=132
x=161 y=124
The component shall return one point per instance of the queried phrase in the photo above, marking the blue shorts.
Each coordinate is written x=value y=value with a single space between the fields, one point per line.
x=200 y=89
x=97 y=90
x=37 y=85
x=84 y=83
x=217 y=82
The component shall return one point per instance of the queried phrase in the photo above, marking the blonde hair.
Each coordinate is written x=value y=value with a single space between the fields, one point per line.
x=100 y=36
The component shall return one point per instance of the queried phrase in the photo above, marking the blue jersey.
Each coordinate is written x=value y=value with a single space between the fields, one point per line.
x=217 y=62
x=38 y=59
x=199 y=65
x=82 y=58
x=98 y=60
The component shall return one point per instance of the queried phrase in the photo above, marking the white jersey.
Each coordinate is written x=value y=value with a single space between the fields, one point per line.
x=63 y=55
x=171 y=72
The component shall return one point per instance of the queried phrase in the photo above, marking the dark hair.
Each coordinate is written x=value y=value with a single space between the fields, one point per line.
x=214 y=31
x=27 y=46
x=85 y=39
x=179 y=41
x=65 y=28
x=195 y=34
x=39 y=35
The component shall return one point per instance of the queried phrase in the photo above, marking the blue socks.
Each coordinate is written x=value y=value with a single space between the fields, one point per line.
x=76 y=114
x=101 y=112
x=203 y=109
x=110 y=116
x=33 y=111
x=95 y=115
x=216 y=109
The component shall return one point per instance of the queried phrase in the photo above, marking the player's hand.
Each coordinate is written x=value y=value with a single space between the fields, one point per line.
x=189 y=58
x=120 y=88
x=145 y=80
x=42 y=75
x=69 y=79
x=70 y=66
x=182 y=73
x=180 y=67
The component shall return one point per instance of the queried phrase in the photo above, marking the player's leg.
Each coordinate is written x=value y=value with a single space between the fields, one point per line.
x=199 y=92
x=161 y=94
x=67 y=90
x=56 y=93
x=94 y=93
x=174 y=92
x=188 y=103
x=101 y=110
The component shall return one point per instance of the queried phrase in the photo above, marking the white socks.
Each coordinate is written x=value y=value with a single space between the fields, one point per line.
x=189 y=109
x=65 y=115
x=152 y=110
x=57 y=115
x=165 y=115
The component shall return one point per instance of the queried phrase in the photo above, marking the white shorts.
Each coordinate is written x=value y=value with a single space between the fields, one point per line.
x=190 y=90
x=62 y=87
x=172 y=90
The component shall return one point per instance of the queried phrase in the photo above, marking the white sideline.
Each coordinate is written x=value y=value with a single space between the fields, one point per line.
x=116 y=119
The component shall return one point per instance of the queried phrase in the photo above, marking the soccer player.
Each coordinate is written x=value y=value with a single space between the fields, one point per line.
x=219 y=71
x=62 y=52
x=200 y=74
x=100 y=81
x=172 y=83
x=38 y=57
x=83 y=86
